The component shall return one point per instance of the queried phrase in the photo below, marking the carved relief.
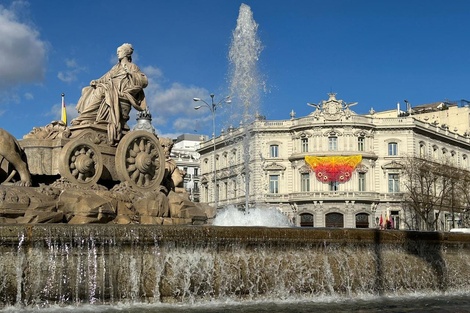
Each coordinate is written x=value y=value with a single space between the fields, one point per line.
x=332 y=109
x=274 y=167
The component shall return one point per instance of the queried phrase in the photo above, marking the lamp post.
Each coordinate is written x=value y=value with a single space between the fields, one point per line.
x=212 y=106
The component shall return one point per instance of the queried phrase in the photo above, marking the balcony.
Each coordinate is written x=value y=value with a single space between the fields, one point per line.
x=323 y=196
x=302 y=155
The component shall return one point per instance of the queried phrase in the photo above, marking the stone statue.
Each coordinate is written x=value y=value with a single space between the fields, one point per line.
x=11 y=151
x=108 y=100
x=173 y=175
x=72 y=175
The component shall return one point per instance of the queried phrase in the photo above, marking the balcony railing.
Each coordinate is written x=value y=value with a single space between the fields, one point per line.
x=330 y=195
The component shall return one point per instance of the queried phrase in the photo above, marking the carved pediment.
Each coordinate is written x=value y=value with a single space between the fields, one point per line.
x=301 y=134
x=394 y=165
x=304 y=169
x=274 y=167
x=332 y=132
x=361 y=168
x=362 y=133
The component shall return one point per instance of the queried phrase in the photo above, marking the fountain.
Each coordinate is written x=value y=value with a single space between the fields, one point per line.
x=245 y=81
x=203 y=268
x=55 y=264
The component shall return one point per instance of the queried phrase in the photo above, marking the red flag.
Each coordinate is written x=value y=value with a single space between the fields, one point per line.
x=381 y=221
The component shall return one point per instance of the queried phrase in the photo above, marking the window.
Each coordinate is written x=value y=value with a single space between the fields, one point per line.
x=334 y=186
x=226 y=190
x=332 y=143
x=444 y=153
x=305 y=182
x=274 y=151
x=274 y=183
x=392 y=148
x=362 y=220
x=395 y=219
x=225 y=159
x=434 y=152
x=306 y=220
x=361 y=143
x=206 y=194
x=234 y=189
x=196 y=170
x=304 y=144
x=421 y=150
x=393 y=183
x=334 y=220
x=362 y=182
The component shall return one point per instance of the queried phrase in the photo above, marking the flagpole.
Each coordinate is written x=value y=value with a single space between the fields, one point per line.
x=63 y=112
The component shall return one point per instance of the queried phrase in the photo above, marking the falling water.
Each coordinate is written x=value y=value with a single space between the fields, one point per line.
x=245 y=82
x=269 y=217
x=118 y=264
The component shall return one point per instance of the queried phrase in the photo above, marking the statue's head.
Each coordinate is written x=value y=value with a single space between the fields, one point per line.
x=167 y=145
x=125 y=50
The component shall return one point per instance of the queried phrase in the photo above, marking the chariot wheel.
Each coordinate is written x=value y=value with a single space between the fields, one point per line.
x=81 y=162
x=140 y=160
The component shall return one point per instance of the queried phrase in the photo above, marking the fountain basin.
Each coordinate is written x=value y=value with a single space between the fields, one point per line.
x=108 y=264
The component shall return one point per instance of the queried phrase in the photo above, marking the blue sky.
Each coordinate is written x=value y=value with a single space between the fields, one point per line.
x=376 y=53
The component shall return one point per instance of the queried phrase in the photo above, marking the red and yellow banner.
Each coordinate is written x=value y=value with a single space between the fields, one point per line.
x=333 y=168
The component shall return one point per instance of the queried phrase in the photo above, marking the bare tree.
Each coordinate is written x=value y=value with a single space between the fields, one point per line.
x=430 y=189
x=462 y=191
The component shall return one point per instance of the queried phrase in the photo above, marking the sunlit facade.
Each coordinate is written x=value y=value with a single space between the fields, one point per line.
x=280 y=178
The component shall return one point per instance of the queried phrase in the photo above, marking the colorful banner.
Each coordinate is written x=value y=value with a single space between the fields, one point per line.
x=333 y=168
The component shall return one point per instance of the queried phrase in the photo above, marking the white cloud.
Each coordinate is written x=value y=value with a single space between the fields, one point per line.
x=55 y=112
x=23 y=52
x=172 y=106
x=73 y=69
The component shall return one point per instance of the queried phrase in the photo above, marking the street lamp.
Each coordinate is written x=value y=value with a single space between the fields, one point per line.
x=212 y=107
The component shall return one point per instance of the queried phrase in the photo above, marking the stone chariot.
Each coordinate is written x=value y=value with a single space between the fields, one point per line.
x=83 y=155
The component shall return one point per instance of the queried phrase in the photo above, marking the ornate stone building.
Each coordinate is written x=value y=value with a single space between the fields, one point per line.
x=362 y=192
x=185 y=154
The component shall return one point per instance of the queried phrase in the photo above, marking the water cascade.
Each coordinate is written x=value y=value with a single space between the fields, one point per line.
x=62 y=264
x=245 y=80
x=232 y=216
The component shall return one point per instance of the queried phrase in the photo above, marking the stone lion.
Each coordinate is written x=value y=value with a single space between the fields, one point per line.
x=11 y=151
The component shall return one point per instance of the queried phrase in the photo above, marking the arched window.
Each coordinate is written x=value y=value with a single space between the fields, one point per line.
x=274 y=151
x=422 y=150
x=306 y=220
x=435 y=152
x=392 y=148
x=362 y=220
x=334 y=220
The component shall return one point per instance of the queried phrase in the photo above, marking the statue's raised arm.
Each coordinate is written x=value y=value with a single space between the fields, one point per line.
x=108 y=100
